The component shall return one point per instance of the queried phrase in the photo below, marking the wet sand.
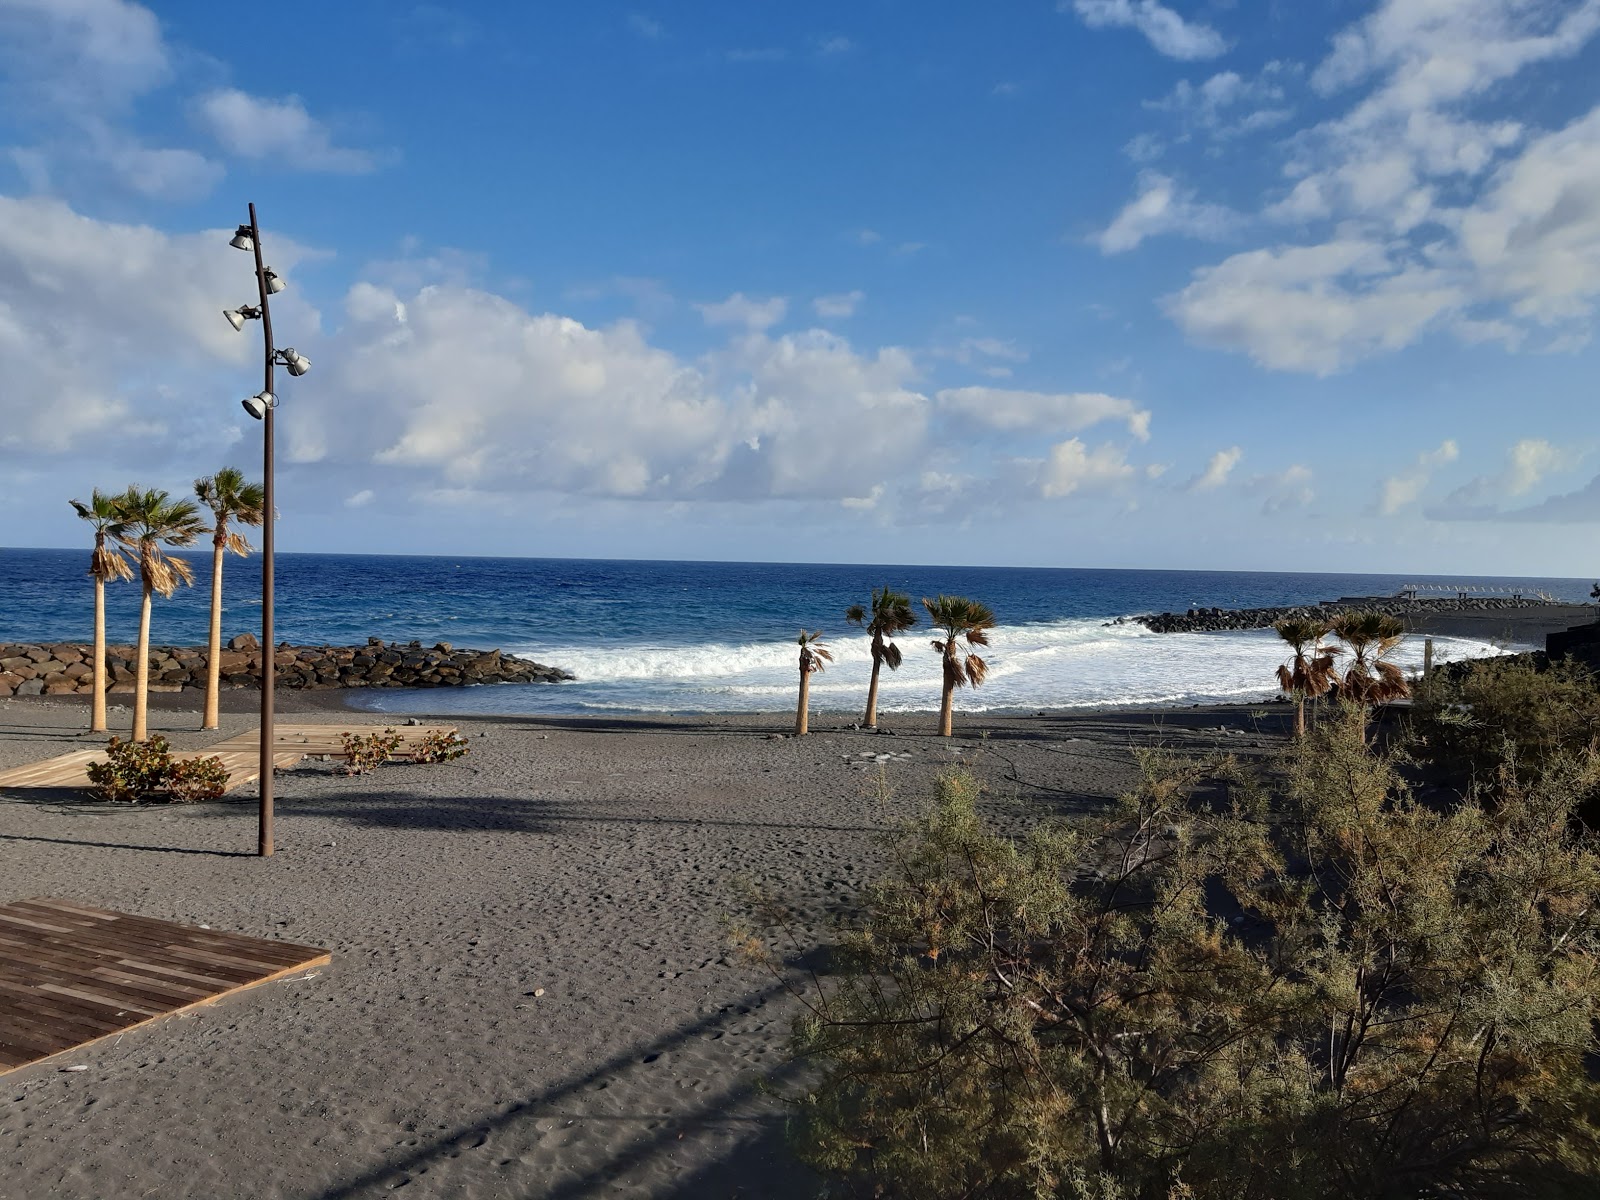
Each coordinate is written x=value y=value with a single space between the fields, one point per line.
x=530 y=993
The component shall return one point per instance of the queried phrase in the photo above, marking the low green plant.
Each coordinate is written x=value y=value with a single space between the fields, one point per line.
x=364 y=753
x=1328 y=993
x=1473 y=719
x=139 y=771
x=439 y=746
x=192 y=780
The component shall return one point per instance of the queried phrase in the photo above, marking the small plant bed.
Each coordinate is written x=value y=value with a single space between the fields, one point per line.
x=439 y=746
x=362 y=754
x=138 y=772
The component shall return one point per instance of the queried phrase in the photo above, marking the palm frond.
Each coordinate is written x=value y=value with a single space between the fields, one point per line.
x=855 y=614
x=891 y=656
x=977 y=670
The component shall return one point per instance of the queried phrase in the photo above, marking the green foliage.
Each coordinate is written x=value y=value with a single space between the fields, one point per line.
x=439 y=746
x=1342 y=995
x=138 y=771
x=362 y=754
x=1474 y=719
x=192 y=780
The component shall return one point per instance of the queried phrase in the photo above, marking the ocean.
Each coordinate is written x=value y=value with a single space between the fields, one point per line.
x=691 y=637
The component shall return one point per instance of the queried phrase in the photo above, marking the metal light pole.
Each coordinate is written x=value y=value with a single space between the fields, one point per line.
x=269 y=645
x=248 y=237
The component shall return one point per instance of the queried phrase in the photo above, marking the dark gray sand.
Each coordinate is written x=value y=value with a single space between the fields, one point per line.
x=530 y=993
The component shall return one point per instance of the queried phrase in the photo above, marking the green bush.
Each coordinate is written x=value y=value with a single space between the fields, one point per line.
x=1474 y=719
x=362 y=754
x=137 y=771
x=1341 y=996
x=439 y=746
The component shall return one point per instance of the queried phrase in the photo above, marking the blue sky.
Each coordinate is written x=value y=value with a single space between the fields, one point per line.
x=1137 y=283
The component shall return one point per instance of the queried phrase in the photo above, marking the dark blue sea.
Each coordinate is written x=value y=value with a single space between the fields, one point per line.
x=719 y=637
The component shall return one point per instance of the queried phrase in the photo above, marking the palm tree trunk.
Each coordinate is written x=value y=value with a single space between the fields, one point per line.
x=214 y=645
x=802 y=716
x=1300 y=716
x=872 y=694
x=947 y=701
x=97 y=706
x=141 y=670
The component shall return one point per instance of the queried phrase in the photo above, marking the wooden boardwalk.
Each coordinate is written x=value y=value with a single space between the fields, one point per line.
x=71 y=975
x=240 y=755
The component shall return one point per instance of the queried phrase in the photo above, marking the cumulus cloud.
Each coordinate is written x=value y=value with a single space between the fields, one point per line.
x=1528 y=462
x=1162 y=207
x=1284 y=490
x=1419 y=213
x=1227 y=104
x=1217 y=471
x=1403 y=489
x=1065 y=412
x=839 y=305
x=739 y=309
x=1169 y=33
x=260 y=127
x=1073 y=467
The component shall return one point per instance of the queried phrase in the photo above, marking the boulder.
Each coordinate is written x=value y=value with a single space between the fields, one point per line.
x=245 y=641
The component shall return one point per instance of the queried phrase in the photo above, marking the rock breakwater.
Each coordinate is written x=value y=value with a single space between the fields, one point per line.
x=68 y=668
x=1213 y=620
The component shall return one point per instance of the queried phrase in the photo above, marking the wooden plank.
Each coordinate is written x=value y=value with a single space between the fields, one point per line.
x=71 y=975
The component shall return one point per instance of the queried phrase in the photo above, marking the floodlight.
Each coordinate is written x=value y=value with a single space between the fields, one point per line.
x=274 y=284
x=297 y=363
x=242 y=239
x=235 y=317
x=258 y=405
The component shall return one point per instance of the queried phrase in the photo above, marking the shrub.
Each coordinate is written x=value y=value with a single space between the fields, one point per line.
x=136 y=771
x=191 y=780
x=1473 y=719
x=1356 y=998
x=438 y=746
x=362 y=754
x=133 y=771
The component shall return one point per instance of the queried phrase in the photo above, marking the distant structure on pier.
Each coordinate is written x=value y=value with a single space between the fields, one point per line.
x=1411 y=590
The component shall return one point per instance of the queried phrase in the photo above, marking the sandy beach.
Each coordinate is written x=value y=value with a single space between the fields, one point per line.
x=530 y=993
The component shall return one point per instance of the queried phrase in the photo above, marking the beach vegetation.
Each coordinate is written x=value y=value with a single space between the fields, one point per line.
x=152 y=519
x=1475 y=719
x=889 y=616
x=1216 y=991
x=962 y=624
x=1369 y=678
x=813 y=656
x=136 y=771
x=108 y=564
x=439 y=745
x=231 y=500
x=1311 y=672
x=366 y=752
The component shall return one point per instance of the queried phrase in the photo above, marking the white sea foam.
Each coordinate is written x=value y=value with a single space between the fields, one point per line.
x=1060 y=664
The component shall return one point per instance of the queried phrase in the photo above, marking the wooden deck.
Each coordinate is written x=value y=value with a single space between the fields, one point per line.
x=71 y=975
x=240 y=755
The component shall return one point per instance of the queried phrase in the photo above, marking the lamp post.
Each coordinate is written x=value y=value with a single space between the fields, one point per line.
x=261 y=406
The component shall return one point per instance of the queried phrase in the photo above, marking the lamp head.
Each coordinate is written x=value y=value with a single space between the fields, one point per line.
x=238 y=316
x=297 y=363
x=258 y=405
x=242 y=239
x=274 y=283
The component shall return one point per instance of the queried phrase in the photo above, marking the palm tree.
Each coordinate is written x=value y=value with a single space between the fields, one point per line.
x=957 y=619
x=229 y=498
x=1371 y=635
x=151 y=519
x=812 y=656
x=1310 y=672
x=108 y=563
x=891 y=615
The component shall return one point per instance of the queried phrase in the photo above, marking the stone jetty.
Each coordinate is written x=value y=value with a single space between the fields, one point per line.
x=68 y=668
x=1212 y=620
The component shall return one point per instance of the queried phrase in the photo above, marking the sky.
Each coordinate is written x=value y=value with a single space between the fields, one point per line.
x=1209 y=284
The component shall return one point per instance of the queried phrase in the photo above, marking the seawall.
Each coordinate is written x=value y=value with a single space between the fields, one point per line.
x=67 y=668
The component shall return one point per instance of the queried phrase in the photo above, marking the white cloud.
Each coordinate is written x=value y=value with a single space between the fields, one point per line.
x=258 y=127
x=1227 y=104
x=839 y=305
x=739 y=309
x=1072 y=467
x=1403 y=489
x=1067 y=412
x=91 y=55
x=834 y=44
x=359 y=499
x=646 y=27
x=1528 y=463
x=1284 y=490
x=1217 y=471
x=1168 y=32
x=1162 y=208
